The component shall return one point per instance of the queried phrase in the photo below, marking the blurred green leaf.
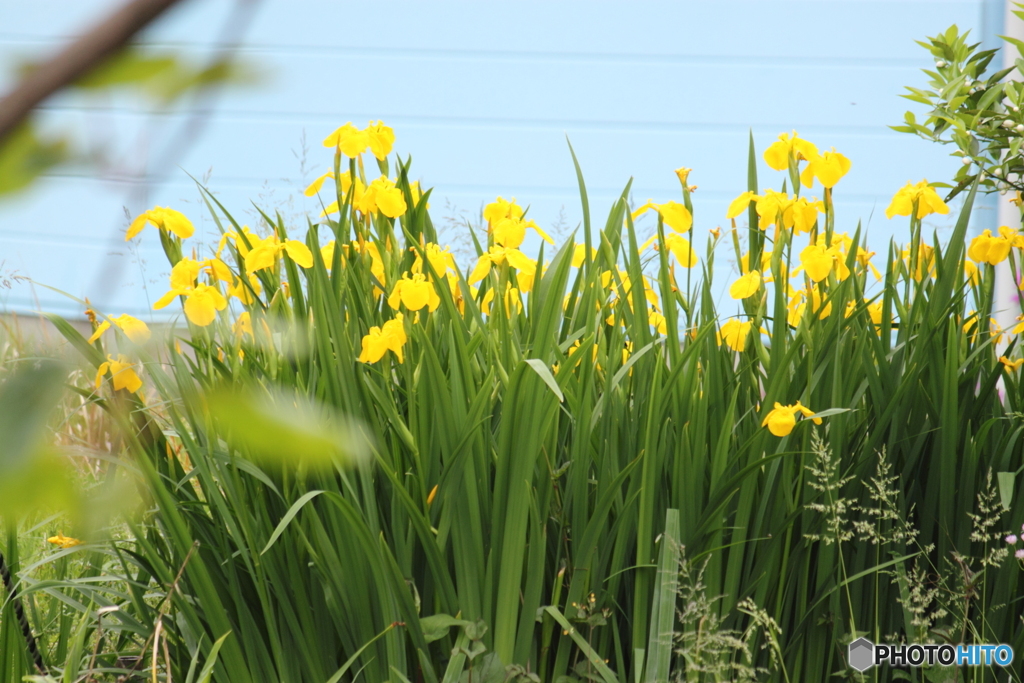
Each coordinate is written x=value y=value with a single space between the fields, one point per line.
x=286 y=429
x=24 y=157
x=33 y=476
x=183 y=79
x=1006 y=480
x=129 y=67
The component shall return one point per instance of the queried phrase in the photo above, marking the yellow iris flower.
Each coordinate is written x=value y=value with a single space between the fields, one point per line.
x=63 y=542
x=874 y=311
x=500 y=208
x=971 y=272
x=505 y=221
x=828 y=168
x=921 y=194
x=381 y=139
x=201 y=303
x=238 y=289
x=579 y=255
x=925 y=261
x=512 y=299
x=673 y=214
x=133 y=328
x=390 y=337
x=524 y=266
x=266 y=253
x=382 y=195
x=243 y=326
x=510 y=232
x=817 y=261
x=781 y=419
x=414 y=292
x=349 y=140
x=740 y=204
x=746 y=286
x=441 y=260
x=162 y=218
x=787 y=147
x=1011 y=364
x=315 y=186
x=986 y=248
x=734 y=334
x=778 y=208
x=346 y=185
x=239 y=238
x=122 y=373
x=678 y=246
x=656 y=320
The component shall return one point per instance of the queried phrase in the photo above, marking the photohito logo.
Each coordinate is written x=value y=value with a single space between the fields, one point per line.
x=863 y=654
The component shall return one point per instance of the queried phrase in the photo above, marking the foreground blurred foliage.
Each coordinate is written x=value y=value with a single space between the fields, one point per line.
x=161 y=80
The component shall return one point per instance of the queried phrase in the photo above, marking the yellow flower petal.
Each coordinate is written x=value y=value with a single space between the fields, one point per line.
x=202 y=304
x=133 y=328
x=740 y=204
x=136 y=225
x=350 y=140
x=480 y=270
x=680 y=248
x=315 y=186
x=676 y=216
x=381 y=138
x=734 y=334
x=299 y=253
x=391 y=202
x=261 y=256
x=816 y=261
x=747 y=285
x=780 y=420
x=100 y=371
x=100 y=329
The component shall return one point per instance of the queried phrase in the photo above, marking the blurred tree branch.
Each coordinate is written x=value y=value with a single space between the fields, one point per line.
x=76 y=59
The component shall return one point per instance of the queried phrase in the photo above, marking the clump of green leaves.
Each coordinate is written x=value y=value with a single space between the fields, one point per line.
x=973 y=109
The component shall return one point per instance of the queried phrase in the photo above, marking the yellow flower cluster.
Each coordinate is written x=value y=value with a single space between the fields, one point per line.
x=352 y=142
x=789 y=150
x=779 y=209
x=379 y=196
x=994 y=249
x=380 y=340
x=507 y=225
x=410 y=282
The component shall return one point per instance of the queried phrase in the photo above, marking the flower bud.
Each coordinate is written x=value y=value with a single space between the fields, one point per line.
x=939 y=64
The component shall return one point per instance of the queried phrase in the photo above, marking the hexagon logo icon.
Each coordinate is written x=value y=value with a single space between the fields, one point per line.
x=861 y=654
